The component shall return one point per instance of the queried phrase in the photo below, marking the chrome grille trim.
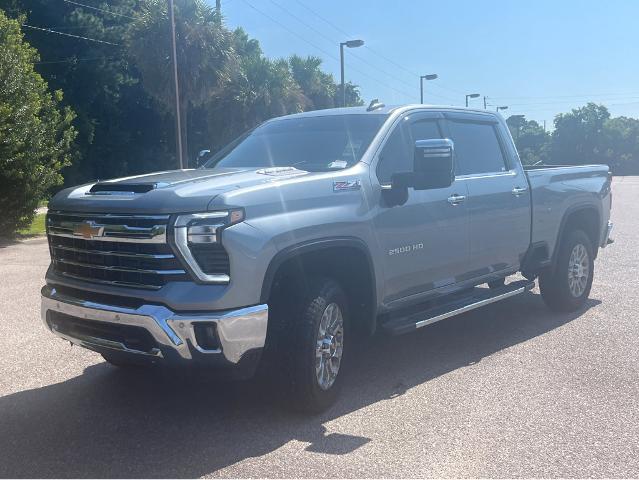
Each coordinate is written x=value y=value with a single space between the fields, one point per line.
x=109 y=253
x=113 y=249
x=113 y=283
x=120 y=269
x=110 y=215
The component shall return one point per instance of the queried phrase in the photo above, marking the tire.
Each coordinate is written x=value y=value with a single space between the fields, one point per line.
x=566 y=288
x=313 y=382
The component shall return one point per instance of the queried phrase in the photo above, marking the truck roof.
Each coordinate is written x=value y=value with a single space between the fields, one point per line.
x=386 y=109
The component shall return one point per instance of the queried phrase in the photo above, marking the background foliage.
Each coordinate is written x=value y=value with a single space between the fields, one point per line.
x=35 y=132
x=120 y=89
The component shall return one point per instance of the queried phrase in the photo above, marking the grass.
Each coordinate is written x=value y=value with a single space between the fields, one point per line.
x=36 y=227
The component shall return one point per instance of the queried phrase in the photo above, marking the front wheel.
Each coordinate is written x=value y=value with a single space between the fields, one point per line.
x=567 y=287
x=314 y=348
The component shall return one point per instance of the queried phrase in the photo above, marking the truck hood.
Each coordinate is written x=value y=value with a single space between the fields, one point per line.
x=174 y=191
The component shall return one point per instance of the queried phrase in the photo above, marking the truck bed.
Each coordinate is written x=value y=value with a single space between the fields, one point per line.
x=556 y=189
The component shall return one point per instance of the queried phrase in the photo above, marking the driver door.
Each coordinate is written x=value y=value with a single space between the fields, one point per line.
x=424 y=242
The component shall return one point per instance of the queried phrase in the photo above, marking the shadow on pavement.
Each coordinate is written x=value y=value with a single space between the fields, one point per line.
x=113 y=423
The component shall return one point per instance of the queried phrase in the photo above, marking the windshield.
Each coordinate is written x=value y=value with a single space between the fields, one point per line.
x=317 y=144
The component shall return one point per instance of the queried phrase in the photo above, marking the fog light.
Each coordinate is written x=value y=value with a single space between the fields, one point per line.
x=206 y=335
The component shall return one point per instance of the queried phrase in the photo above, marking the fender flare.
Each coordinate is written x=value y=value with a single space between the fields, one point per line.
x=562 y=226
x=302 y=248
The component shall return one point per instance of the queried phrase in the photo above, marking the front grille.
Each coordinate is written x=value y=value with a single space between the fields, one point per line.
x=121 y=250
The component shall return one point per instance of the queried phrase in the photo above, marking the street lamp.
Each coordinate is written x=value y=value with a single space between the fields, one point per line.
x=349 y=44
x=178 y=120
x=505 y=107
x=432 y=76
x=471 y=95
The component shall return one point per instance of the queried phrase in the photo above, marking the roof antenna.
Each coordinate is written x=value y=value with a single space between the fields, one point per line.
x=375 y=105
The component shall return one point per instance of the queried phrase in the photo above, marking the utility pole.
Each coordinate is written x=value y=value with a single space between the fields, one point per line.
x=544 y=126
x=484 y=102
x=178 y=121
x=218 y=11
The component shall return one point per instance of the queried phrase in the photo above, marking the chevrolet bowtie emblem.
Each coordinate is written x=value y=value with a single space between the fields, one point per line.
x=88 y=230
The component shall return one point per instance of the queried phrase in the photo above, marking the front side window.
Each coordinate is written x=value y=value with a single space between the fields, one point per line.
x=477 y=148
x=317 y=144
x=398 y=152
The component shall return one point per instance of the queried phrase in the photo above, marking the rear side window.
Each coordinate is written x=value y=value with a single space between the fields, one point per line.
x=397 y=154
x=477 y=148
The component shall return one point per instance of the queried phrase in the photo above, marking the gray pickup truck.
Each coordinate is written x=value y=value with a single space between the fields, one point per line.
x=312 y=230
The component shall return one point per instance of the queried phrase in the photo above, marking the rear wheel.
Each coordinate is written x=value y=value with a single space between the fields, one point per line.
x=567 y=287
x=313 y=346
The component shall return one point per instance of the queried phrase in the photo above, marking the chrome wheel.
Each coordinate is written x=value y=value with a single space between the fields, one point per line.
x=578 y=270
x=330 y=346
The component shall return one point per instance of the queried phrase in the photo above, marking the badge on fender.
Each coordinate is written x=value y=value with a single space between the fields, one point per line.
x=346 y=185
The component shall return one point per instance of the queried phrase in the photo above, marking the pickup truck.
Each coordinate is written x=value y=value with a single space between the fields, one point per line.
x=313 y=230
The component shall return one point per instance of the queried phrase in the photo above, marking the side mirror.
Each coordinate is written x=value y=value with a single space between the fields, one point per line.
x=433 y=164
x=201 y=157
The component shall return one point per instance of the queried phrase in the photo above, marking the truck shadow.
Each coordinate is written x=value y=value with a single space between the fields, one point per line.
x=110 y=423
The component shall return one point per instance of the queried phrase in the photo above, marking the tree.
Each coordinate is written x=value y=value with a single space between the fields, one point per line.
x=579 y=136
x=319 y=87
x=120 y=130
x=532 y=141
x=206 y=59
x=36 y=133
x=621 y=145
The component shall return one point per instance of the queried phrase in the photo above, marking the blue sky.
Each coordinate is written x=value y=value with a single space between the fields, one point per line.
x=540 y=58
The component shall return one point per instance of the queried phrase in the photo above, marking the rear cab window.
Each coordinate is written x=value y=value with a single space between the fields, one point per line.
x=477 y=147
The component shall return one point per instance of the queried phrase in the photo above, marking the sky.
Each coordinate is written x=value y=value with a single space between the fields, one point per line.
x=539 y=58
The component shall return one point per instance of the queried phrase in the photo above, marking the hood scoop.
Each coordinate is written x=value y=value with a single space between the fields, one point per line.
x=108 y=188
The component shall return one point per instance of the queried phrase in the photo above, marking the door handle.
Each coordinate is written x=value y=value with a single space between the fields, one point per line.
x=517 y=191
x=455 y=199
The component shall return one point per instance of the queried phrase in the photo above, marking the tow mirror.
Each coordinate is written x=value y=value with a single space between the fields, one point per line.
x=433 y=164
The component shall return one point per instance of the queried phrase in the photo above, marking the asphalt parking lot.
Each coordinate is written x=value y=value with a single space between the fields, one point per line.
x=509 y=390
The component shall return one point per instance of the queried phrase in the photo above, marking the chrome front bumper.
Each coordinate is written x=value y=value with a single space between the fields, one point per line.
x=238 y=331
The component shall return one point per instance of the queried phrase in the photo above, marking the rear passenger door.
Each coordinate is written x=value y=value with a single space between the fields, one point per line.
x=498 y=201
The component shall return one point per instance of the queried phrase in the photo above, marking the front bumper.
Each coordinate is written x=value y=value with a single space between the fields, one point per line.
x=174 y=340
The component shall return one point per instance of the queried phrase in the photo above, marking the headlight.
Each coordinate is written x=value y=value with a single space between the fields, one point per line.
x=197 y=239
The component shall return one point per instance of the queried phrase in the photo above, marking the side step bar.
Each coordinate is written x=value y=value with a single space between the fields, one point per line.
x=478 y=297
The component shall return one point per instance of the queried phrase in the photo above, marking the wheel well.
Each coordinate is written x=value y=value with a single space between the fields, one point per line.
x=586 y=219
x=347 y=265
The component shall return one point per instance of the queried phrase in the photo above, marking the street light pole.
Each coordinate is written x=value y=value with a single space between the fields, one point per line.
x=432 y=76
x=471 y=95
x=178 y=120
x=349 y=44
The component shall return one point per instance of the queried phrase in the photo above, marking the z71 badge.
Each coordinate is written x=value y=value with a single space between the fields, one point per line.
x=346 y=185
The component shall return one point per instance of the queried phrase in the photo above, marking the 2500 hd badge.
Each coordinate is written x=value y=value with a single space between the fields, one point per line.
x=406 y=249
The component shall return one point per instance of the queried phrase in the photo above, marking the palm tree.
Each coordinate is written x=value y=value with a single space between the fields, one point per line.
x=206 y=60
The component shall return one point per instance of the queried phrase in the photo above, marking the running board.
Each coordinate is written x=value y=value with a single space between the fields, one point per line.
x=478 y=297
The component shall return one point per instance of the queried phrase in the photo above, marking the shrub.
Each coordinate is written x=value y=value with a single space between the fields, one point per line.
x=36 y=135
